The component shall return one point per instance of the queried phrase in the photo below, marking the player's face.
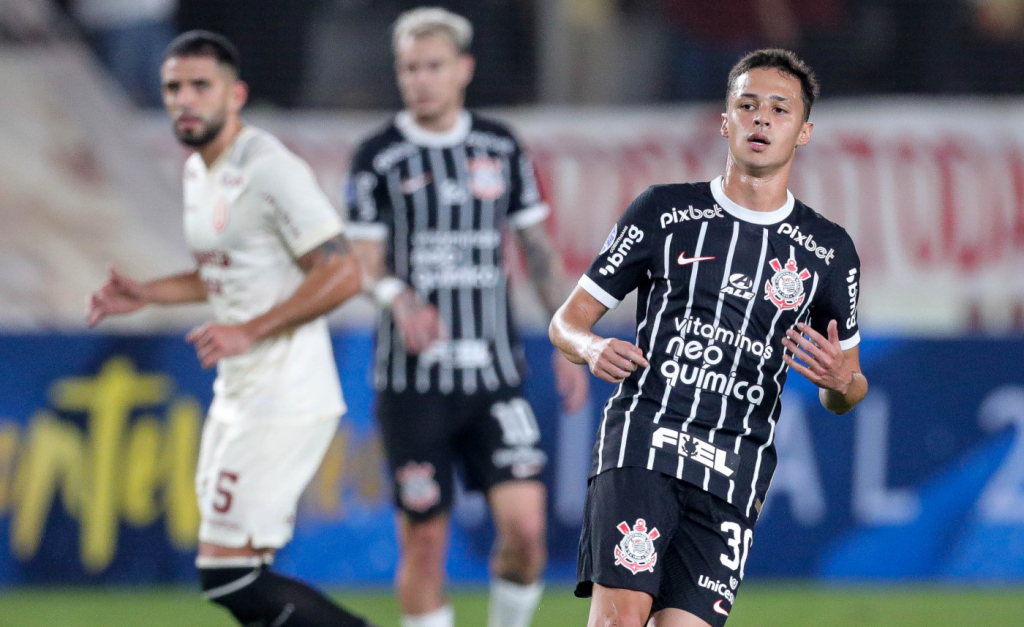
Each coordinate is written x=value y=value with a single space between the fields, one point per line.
x=432 y=75
x=764 y=120
x=200 y=95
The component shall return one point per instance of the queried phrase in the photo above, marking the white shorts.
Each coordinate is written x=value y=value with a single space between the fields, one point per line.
x=250 y=476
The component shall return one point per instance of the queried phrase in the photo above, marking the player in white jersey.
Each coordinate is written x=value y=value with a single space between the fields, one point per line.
x=271 y=259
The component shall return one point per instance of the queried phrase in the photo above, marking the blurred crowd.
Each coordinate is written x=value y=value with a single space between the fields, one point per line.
x=336 y=53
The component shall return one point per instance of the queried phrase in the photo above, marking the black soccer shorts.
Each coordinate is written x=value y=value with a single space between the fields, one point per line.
x=491 y=436
x=646 y=531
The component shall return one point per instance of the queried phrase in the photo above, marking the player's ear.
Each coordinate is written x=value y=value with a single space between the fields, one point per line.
x=467 y=65
x=725 y=125
x=805 y=134
x=239 y=95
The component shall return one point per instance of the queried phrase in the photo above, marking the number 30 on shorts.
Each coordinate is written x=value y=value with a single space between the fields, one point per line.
x=740 y=541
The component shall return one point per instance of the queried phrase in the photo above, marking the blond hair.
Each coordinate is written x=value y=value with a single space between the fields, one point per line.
x=426 y=21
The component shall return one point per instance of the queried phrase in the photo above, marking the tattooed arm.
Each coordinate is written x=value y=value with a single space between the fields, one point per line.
x=548 y=277
x=545 y=266
x=332 y=277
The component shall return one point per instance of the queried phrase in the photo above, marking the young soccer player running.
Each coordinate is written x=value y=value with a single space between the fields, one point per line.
x=429 y=198
x=271 y=259
x=737 y=283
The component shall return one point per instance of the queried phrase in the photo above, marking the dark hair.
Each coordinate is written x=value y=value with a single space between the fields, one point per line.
x=784 y=61
x=204 y=43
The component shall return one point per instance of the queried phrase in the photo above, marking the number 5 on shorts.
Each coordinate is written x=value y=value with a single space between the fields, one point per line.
x=224 y=491
x=734 y=562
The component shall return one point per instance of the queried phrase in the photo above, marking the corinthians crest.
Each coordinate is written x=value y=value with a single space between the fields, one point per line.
x=635 y=551
x=786 y=287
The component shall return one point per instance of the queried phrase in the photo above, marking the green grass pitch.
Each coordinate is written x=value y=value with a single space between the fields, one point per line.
x=758 y=605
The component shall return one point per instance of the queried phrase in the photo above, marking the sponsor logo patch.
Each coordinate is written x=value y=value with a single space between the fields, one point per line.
x=620 y=248
x=740 y=285
x=719 y=588
x=418 y=490
x=786 y=287
x=688 y=447
x=851 y=291
x=685 y=215
x=611 y=239
x=635 y=552
x=806 y=241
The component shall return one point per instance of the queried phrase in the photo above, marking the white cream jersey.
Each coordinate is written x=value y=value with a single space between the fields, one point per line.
x=248 y=218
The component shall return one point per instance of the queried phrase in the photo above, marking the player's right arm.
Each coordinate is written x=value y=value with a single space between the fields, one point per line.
x=624 y=261
x=121 y=294
x=571 y=332
x=370 y=219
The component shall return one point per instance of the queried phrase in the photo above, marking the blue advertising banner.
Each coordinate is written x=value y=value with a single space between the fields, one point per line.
x=99 y=436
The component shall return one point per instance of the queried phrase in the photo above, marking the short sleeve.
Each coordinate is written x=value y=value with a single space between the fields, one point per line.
x=840 y=298
x=625 y=257
x=366 y=199
x=298 y=208
x=526 y=205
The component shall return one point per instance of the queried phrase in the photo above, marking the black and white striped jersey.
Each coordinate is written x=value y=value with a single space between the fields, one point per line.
x=441 y=202
x=718 y=286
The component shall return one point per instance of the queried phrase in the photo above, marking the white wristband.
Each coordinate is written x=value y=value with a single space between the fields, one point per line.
x=387 y=289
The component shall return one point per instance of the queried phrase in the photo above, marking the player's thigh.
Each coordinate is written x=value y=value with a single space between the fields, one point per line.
x=619 y=607
x=417 y=433
x=254 y=476
x=499 y=440
x=671 y=617
x=705 y=561
x=630 y=517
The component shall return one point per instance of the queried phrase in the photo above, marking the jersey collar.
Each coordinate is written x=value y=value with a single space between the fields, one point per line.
x=422 y=137
x=749 y=215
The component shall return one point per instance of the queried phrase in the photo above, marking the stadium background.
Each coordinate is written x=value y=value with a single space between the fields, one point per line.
x=912 y=503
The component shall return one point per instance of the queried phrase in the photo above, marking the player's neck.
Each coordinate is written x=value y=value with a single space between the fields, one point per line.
x=441 y=123
x=212 y=151
x=757 y=191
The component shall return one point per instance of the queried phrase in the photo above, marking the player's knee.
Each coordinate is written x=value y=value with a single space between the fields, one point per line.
x=425 y=542
x=616 y=616
x=525 y=536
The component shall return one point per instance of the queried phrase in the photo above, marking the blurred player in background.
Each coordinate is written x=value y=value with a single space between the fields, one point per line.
x=429 y=196
x=272 y=260
x=730 y=275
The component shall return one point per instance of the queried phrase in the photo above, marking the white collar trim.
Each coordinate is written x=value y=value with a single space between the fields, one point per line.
x=422 y=137
x=749 y=215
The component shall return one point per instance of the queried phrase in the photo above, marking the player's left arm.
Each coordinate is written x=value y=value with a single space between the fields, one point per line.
x=332 y=277
x=546 y=271
x=825 y=352
x=835 y=371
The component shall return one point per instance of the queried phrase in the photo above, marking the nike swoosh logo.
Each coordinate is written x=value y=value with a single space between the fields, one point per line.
x=718 y=608
x=683 y=260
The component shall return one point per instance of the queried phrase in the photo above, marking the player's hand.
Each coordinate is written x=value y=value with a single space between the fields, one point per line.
x=417 y=321
x=826 y=363
x=214 y=342
x=571 y=381
x=613 y=359
x=119 y=295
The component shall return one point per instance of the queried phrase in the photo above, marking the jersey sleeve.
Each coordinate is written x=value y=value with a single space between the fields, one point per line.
x=297 y=208
x=625 y=258
x=840 y=298
x=526 y=206
x=366 y=203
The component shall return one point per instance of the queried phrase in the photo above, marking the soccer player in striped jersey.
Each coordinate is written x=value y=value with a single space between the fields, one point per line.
x=430 y=197
x=271 y=258
x=738 y=282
